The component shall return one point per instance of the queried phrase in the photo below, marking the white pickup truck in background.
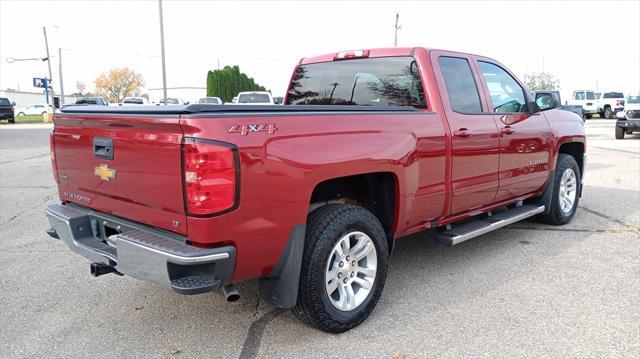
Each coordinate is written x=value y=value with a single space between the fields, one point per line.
x=586 y=99
x=609 y=103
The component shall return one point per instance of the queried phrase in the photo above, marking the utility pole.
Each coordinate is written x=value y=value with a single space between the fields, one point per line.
x=396 y=28
x=164 y=70
x=60 y=75
x=46 y=43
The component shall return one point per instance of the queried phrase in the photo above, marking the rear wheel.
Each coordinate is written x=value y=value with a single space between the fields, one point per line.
x=564 y=200
x=20 y=113
x=12 y=120
x=601 y=114
x=587 y=116
x=608 y=112
x=344 y=268
x=619 y=133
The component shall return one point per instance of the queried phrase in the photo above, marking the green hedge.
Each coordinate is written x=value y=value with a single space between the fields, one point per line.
x=226 y=83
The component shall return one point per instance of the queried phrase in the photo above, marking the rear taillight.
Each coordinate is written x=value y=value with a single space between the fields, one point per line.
x=211 y=177
x=52 y=149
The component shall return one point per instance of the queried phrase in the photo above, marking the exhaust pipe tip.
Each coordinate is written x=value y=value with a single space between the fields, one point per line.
x=231 y=292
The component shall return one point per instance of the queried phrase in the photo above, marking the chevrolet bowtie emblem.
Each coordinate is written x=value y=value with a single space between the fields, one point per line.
x=104 y=172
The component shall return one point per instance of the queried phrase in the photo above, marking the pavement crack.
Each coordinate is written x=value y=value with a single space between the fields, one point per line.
x=12 y=218
x=257 y=305
x=25 y=159
x=254 y=334
x=630 y=226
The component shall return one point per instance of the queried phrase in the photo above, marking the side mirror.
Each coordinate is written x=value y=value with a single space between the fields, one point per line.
x=13 y=104
x=547 y=101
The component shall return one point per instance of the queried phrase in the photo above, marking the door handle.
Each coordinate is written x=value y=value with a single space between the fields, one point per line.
x=462 y=132
x=507 y=130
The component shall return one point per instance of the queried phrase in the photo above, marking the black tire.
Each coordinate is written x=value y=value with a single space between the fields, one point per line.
x=20 y=113
x=601 y=114
x=556 y=216
x=587 y=116
x=325 y=226
x=43 y=113
x=12 y=120
x=608 y=112
x=619 y=133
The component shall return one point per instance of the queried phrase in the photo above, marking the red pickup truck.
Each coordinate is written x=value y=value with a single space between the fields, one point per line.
x=372 y=145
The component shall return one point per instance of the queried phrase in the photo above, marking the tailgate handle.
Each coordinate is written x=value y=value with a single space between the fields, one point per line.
x=103 y=148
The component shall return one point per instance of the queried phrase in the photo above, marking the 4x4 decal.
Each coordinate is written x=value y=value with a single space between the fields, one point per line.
x=247 y=129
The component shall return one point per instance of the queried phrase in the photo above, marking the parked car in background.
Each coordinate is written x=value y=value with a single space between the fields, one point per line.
x=174 y=101
x=586 y=99
x=210 y=100
x=101 y=101
x=309 y=197
x=255 y=98
x=7 y=110
x=628 y=120
x=609 y=103
x=234 y=99
x=577 y=109
x=36 y=109
x=134 y=101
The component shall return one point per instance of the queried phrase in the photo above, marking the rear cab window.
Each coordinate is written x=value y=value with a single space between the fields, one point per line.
x=4 y=101
x=380 y=81
x=613 y=95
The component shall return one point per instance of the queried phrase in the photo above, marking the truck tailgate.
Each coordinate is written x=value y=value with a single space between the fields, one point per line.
x=143 y=179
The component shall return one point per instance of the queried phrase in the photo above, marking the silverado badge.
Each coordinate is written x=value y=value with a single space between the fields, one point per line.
x=104 y=172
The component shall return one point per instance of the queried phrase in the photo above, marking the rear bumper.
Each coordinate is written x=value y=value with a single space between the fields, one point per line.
x=141 y=252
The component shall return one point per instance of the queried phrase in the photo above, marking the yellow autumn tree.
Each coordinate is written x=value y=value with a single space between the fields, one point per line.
x=118 y=83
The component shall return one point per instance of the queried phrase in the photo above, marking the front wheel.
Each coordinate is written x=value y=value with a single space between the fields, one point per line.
x=565 y=197
x=587 y=116
x=619 y=133
x=344 y=267
x=12 y=120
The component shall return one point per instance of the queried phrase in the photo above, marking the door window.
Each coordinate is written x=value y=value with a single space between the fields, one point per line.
x=461 y=86
x=506 y=94
x=579 y=96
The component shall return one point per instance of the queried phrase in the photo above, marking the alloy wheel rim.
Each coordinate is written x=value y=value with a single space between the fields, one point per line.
x=568 y=190
x=351 y=271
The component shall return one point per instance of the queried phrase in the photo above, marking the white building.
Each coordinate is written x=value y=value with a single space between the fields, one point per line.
x=23 y=98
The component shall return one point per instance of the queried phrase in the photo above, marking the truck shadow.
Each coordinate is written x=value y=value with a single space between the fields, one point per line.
x=422 y=277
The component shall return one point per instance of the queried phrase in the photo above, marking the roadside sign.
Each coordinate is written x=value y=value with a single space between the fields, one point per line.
x=40 y=82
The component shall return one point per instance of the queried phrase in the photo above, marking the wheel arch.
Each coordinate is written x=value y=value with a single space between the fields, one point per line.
x=376 y=191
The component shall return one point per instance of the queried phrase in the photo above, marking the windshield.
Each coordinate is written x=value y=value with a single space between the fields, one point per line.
x=387 y=81
x=4 y=101
x=613 y=95
x=633 y=99
x=254 y=98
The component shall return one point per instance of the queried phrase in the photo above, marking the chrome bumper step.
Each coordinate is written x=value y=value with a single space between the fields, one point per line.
x=460 y=233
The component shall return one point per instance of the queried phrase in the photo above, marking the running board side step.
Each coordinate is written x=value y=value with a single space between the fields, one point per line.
x=463 y=232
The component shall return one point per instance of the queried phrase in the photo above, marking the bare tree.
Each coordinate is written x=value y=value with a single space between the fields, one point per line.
x=539 y=81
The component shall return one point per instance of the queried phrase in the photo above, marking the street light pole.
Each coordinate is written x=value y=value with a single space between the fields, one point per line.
x=164 y=70
x=46 y=43
x=61 y=84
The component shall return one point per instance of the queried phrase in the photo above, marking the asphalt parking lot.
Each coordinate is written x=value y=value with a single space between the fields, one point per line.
x=528 y=290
